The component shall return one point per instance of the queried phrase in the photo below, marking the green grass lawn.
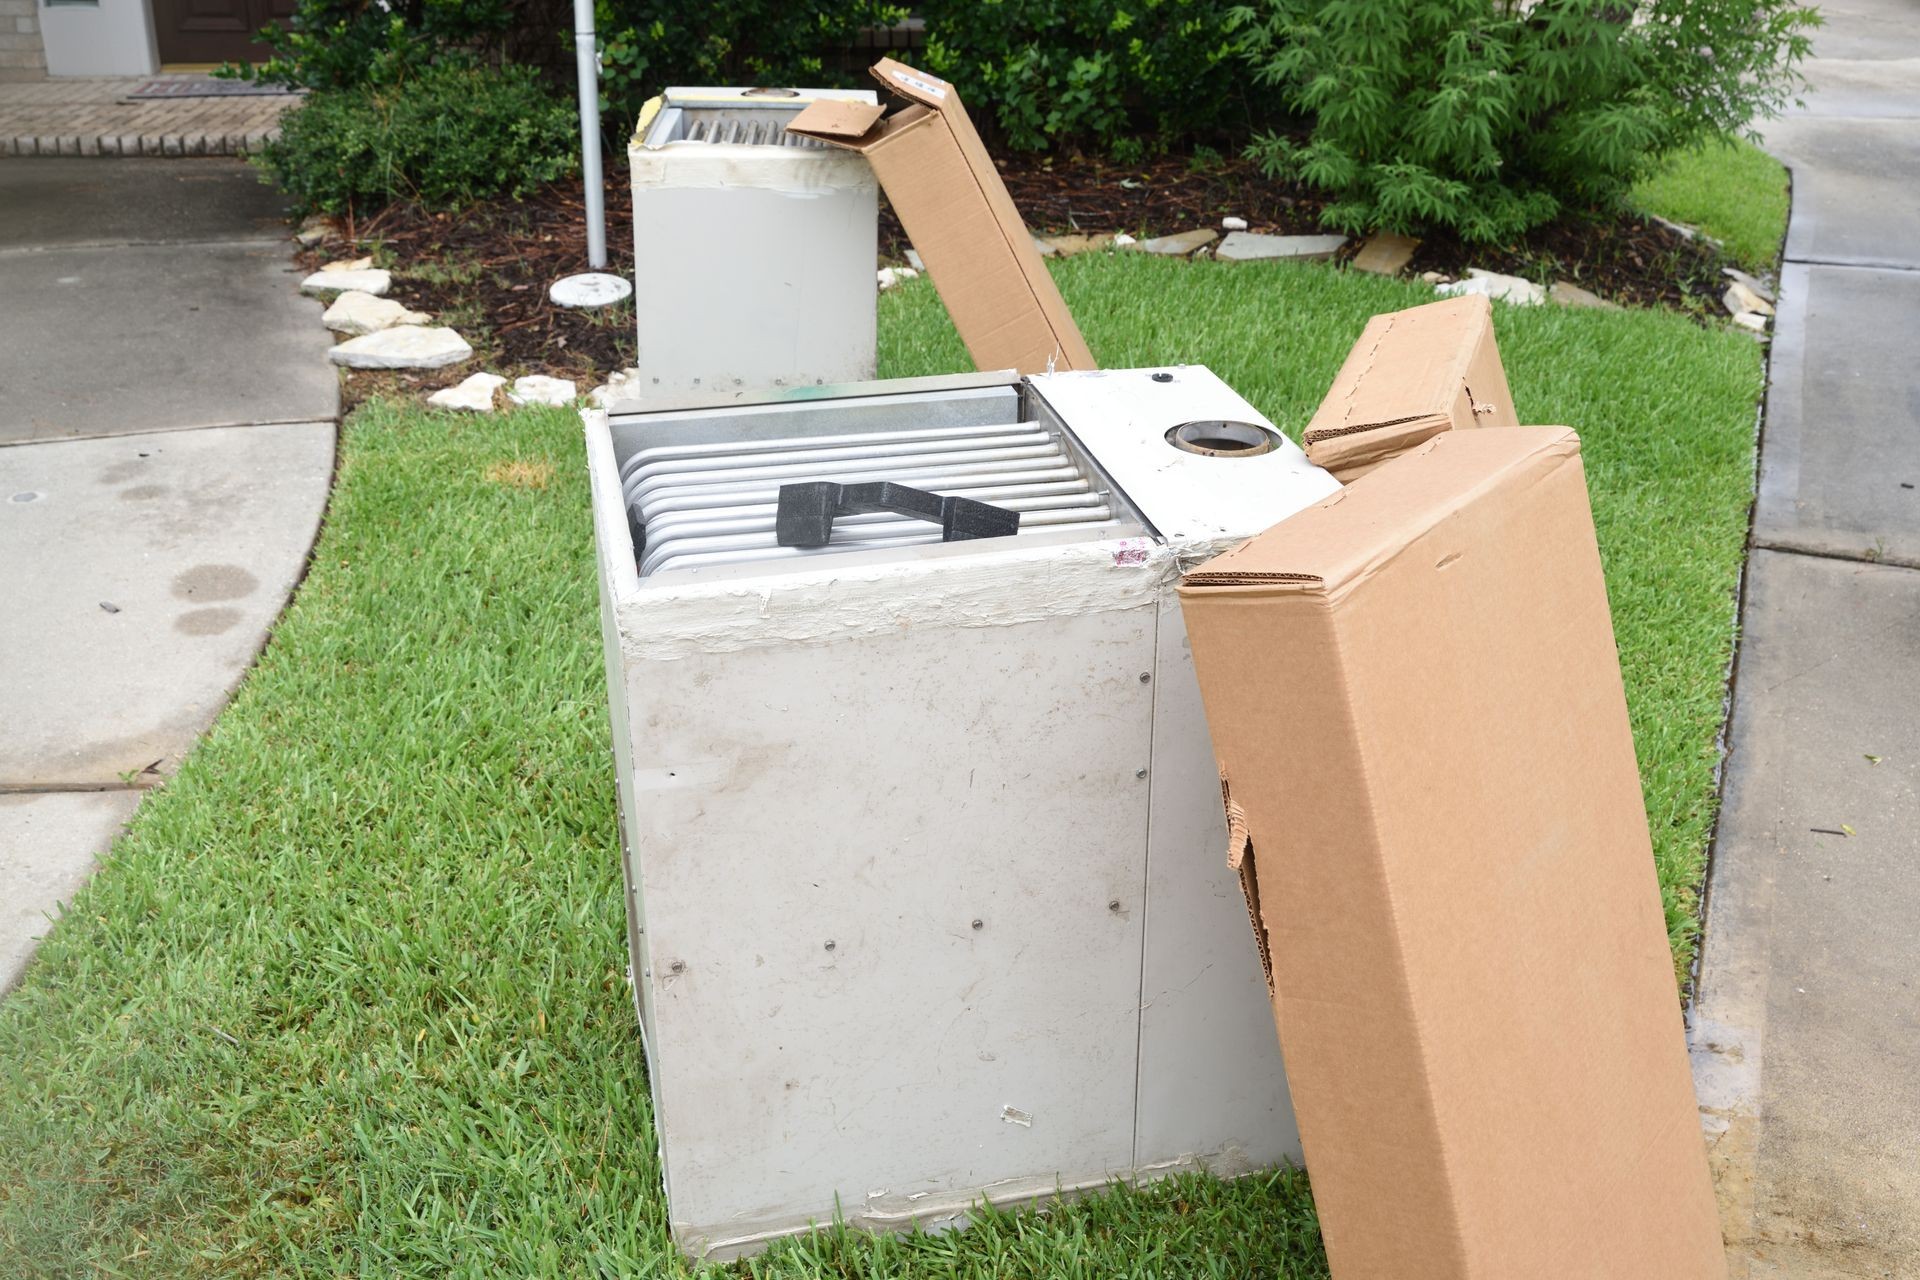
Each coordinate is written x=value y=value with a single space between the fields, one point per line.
x=349 y=998
x=1733 y=191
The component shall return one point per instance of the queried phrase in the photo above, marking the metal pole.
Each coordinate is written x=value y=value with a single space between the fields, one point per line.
x=586 y=52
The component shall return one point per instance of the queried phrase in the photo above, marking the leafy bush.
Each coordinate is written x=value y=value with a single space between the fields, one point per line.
x=342 y=44
x=1488 y=117
x=444 y=136
x=646 y=45
x=1128 y=75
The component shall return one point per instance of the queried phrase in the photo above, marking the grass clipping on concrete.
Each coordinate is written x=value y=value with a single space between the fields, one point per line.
x=350 y=998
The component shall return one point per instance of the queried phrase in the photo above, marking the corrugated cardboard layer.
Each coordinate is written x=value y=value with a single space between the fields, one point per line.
x=1415 y=697
x=956 y=210
x=1412 y=375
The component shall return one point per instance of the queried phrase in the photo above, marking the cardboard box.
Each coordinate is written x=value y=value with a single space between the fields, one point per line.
x=957 y=212
x=1414 y=694
x=1412 y=375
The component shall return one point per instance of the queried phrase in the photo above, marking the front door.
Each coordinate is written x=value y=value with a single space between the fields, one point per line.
x=215 y=30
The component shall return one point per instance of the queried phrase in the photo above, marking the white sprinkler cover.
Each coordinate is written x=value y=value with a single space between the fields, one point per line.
x=590 y=289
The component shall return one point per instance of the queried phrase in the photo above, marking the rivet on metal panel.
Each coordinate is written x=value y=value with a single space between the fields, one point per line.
x=830 y=944
x=979 y=924
x=678 y=966
x=1114 y=906
x=1146 y=677
x=1139 y=773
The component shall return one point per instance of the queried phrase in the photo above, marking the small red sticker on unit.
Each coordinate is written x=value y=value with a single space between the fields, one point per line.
x=1132 y=551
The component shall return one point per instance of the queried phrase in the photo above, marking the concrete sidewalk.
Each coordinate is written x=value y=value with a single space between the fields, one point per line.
x=166 y=445
x=1807 y=1021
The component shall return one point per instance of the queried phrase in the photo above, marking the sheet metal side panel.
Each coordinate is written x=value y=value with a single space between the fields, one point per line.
x=1212 y=1084
x=1122 y=417
x=746 y=286
x=613 y=554
x=880 y=793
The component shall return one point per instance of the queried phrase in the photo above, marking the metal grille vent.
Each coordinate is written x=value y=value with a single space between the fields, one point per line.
x=714 y=504
x=746 y=124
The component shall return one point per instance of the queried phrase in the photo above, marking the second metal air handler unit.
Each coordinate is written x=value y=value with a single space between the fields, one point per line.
x=927 y=894
x=754 y=248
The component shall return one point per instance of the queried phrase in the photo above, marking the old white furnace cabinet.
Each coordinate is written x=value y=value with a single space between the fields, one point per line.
x=925 y=859
x=754 y=251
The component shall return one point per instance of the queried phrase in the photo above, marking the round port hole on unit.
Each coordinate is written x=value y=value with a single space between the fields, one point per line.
x=1223 y=438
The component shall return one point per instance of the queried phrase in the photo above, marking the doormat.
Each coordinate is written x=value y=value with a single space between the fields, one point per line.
x=208 y=87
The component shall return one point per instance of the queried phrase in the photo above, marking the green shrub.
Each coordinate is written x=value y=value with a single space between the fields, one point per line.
x=1487 y=118
x=1127 y=75
x=646 y=45
x=445 y=136
x=342 y=44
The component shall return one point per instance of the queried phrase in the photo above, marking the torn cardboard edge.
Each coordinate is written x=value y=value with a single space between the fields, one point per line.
x=1445 y=854
x=1412 y=375
x=956 y=210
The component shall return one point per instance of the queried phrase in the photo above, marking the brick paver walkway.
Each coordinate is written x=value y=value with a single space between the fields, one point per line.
x=92 y=117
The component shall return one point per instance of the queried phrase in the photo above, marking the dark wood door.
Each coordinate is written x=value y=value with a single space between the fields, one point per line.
x=215 y=30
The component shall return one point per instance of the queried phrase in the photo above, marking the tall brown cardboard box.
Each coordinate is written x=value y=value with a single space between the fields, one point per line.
x=956 y=210
x=1415 y=698
x=1412 y=375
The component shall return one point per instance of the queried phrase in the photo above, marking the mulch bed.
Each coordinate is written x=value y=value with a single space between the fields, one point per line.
x=485 y=270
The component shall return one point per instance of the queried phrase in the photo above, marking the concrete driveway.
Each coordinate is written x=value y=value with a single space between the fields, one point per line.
x=166 y=445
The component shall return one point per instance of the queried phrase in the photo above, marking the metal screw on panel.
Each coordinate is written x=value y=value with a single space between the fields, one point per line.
x=1114 y=906
x=830 y=944
x=979 y=924
x=678 y=966
x=1146 y=677
x=1139 y=773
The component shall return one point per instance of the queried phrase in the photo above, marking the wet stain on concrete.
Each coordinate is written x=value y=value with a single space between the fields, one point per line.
x=142 y=492
x=206 y=622
x=121 y=472
x=215 y=582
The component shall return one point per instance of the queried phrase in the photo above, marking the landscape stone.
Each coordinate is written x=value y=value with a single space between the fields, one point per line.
x=313 y=231
x=590 y=289
x=913 y=260
x=1233 y=224
x=1521 y=293
x=622 y=386
x=1248 y=246
x=1751 y=320
x=354 y=313
x=891 y=276
x=405 y=347
x=1122 y=240
x=1044 y=249
x=375 y=281
x=538 y=388
x=476 y=393
x=349 y=264
x=1385 y=254
x=1740 y=297
x=1760 y=287
x=1568 y=294
x=1177 y=246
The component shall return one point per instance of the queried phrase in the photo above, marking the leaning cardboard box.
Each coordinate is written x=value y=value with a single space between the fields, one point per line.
x=1413 y=691
x=949 y=196
x=1412 y=375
